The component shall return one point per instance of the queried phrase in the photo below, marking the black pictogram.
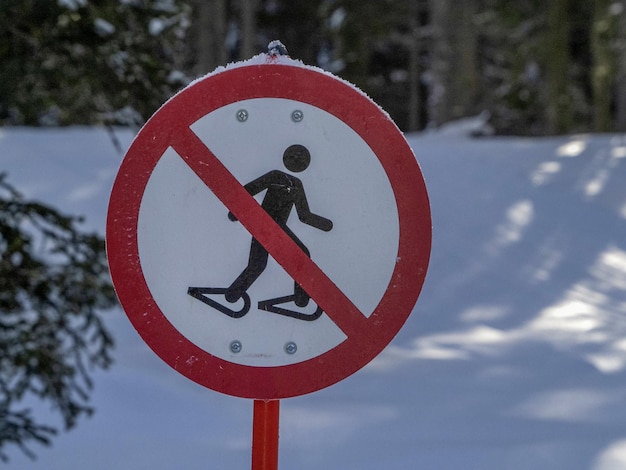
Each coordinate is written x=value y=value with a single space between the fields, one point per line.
x=283 y=193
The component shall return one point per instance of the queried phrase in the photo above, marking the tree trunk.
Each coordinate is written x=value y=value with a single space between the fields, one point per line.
x=602 y=39
x=209 y=31
x=248 y=10
x=559 y=106
x=620 y=82
x=466 y=77
x=414 y=72
x=454 y=64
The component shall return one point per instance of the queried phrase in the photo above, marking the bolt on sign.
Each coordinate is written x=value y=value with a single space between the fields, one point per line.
x=269 y=229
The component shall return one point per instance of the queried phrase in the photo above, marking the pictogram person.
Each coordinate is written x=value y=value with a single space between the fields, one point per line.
x=284 y=192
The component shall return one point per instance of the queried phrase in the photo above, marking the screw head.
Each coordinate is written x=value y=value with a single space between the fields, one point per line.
x=242 y=115
x=297 y=116
x=236 y=346
x=291 y=347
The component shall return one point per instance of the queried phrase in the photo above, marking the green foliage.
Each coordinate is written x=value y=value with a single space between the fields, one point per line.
x=360 y=41
x=603 y=44
x=373 y=49
x=570 y=48
x=511 y=64
x=53 y=283
x=79 y=61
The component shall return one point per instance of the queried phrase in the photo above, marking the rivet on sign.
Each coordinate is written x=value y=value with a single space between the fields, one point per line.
x=242 y=115
x=291 y=347
x=297 y=115
x=235 y=346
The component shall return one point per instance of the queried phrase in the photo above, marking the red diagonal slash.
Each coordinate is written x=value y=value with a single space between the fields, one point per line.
x=262 y=227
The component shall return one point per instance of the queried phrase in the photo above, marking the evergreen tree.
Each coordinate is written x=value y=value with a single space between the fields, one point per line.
x=88 y=61
x=619 y=9
x=510 y=64
x=604 y=56
x=535 y=62
x=455 y=83
x=53 y=284
x=538 y=67
x=369 y=44
x=558 y=60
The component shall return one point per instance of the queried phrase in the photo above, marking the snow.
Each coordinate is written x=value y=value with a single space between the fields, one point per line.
x=157 y=26
x=72 y=4
x=336 y=20
x=616 y=8
x=103 y=27
x=514 y=357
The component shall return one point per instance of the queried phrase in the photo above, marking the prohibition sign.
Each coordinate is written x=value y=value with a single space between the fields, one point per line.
x=170 y=128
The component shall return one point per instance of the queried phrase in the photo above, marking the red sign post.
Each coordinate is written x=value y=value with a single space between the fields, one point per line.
x=265 y=434
x=191 y=146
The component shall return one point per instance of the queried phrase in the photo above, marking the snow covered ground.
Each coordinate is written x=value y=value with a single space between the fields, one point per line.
x=514 y=357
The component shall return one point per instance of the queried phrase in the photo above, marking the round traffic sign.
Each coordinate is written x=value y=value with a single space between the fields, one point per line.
x=269 y=230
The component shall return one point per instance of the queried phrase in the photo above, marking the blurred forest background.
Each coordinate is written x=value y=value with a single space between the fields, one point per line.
x=532 y=67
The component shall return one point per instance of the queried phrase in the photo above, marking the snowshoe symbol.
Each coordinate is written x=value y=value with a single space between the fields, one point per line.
x=200 y=293
x=269 y=305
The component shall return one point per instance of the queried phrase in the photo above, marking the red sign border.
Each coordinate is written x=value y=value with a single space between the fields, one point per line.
x=172 y=120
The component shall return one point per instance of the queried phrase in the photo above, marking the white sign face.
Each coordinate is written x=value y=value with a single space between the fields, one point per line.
x=186 y=239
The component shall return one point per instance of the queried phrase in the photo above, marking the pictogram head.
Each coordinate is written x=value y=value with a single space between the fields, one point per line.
x=296 y=158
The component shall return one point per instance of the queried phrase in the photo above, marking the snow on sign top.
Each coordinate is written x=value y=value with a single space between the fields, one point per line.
x=269 y=230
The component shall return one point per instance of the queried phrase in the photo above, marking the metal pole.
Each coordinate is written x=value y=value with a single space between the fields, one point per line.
x=265 y=434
